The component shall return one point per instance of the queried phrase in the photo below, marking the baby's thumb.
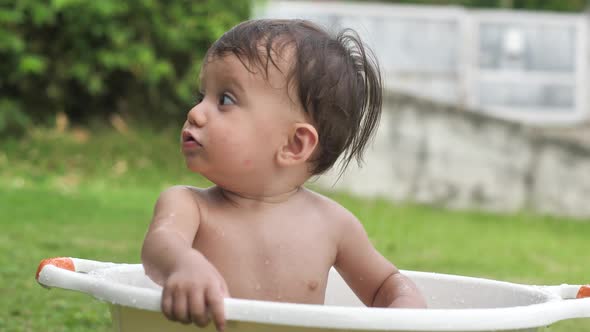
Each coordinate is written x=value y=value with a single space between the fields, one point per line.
x=223 y=287
x=224 y=290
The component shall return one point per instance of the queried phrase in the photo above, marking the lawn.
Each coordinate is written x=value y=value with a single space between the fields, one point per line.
x=90 y=194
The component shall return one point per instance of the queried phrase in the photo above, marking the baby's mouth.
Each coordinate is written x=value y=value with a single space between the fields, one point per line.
x=188 y=139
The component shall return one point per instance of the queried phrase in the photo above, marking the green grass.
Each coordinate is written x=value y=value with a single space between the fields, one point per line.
x=63 y=195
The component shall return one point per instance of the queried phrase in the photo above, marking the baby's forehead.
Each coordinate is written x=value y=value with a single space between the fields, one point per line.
x=251 y=78
x=278 y=53
x=274 y=70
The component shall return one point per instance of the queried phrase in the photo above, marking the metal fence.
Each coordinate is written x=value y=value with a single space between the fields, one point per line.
x=525 y=66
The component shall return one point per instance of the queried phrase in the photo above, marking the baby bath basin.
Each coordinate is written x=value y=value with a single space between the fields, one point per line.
x=456 y=303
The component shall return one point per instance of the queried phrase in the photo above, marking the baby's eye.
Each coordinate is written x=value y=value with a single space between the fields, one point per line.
x=200 y=97
x=225 y=99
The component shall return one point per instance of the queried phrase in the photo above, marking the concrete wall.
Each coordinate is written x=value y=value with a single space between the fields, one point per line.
x=528 y=66
x=432 y=153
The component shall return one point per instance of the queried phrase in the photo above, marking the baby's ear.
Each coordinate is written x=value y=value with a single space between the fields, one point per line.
x=300 y=145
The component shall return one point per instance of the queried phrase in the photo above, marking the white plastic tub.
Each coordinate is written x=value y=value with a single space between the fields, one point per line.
x=455 y=303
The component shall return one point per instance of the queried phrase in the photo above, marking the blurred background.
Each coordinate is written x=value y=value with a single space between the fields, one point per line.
x=480 y=167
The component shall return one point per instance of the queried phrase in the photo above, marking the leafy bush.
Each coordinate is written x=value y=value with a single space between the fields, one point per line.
x=92 y=58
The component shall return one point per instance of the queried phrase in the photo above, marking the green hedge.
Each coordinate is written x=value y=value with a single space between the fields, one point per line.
x=91 y=58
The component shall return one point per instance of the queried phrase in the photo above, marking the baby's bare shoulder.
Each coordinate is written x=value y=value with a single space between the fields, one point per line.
x=330 y=209
x=183 y=196
x=182 y=191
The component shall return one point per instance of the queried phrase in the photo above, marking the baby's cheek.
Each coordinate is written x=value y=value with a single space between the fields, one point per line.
x=237 y=153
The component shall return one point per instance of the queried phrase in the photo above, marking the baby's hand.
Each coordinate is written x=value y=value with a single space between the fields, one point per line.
x=193 y=290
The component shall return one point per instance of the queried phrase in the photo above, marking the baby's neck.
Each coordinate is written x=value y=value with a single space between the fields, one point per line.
x=257 y=199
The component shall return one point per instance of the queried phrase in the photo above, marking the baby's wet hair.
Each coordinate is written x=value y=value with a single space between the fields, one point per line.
x=336 y=78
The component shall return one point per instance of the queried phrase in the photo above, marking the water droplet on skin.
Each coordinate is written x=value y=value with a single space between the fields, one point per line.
x=172 y=215
x=258 y=287
x=361 y=278
x=266 y=262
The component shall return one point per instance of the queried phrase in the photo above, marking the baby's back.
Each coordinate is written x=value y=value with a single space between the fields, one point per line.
x=270 y=251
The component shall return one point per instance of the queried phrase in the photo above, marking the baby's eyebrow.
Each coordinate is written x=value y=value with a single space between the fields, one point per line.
x=223 y=81
x=235 y=85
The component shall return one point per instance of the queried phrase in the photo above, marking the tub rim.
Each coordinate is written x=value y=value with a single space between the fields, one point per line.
x=84 y=277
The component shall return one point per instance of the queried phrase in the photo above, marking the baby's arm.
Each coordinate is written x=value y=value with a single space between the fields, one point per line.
x=192 y=285
x=376 y=281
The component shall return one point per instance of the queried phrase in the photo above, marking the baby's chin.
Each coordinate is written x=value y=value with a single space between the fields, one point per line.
x=191 y=165
x=195 y=170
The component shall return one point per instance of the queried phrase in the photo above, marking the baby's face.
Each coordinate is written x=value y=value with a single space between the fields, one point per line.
x=233 y=134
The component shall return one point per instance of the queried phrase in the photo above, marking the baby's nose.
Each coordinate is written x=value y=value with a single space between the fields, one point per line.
x=196 y=116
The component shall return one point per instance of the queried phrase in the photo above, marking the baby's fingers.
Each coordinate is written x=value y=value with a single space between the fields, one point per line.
x=216 y=307
x=198 y=310
x=180 y=306
x=167 y=303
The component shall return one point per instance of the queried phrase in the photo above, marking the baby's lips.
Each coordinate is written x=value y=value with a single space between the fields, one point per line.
x=187 y=135
x=583 y=292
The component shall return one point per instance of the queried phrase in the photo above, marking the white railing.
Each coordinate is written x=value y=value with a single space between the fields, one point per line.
x=526 y=66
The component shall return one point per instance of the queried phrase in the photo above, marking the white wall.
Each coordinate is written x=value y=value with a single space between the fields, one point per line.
x=432 y=153
x=531 y=67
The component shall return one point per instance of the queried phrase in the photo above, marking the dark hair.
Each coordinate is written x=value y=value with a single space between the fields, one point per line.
x=337 y=80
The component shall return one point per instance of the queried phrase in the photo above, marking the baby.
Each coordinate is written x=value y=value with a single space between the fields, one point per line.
x=280 y=102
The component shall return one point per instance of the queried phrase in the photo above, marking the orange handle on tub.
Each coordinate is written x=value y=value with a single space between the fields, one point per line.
x=583 y=292
x=61 y=262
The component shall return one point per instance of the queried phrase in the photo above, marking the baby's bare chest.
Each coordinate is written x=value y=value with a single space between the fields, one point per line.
x=284 y=258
